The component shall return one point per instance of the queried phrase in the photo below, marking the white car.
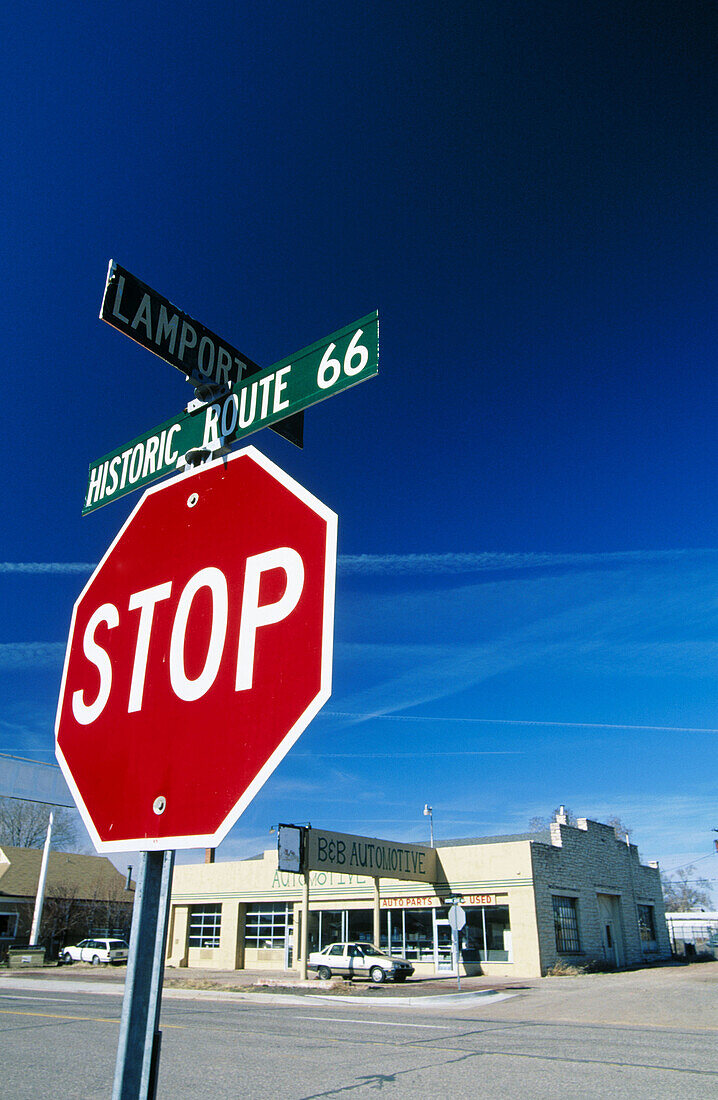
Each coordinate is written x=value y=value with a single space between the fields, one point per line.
x=358 y=960
x=97 y=951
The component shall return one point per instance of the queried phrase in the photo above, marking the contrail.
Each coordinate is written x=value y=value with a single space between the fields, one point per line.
x=516 y=722
x=454 y=563
x=48 y=567
x=432 y=564
x=15 y=655
x=413 y=755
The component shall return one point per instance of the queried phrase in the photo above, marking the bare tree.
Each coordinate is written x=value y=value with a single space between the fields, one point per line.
x=24 y=825
x=623 y=832
x=110 y=908
x=539 y=824
x=67 y=918
x=682 y=892
x=63 y=919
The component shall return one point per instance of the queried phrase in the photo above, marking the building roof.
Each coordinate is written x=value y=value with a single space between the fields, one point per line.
x=87 y=877
x=692 y=914
x=543 y=836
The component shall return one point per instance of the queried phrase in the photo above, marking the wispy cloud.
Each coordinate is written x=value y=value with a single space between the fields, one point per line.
x=411 y=755
x=657 y=621
x=487 y=561
x=292 y=787
x=47 y=567
x=669 y=828
x=521 y=722
x=438 y=564
x=19 y=655
x=459 y=666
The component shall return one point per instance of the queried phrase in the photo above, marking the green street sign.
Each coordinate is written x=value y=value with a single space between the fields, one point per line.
x=321 y=370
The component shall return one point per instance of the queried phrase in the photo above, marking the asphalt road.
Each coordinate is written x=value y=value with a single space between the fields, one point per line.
x=60 y=1043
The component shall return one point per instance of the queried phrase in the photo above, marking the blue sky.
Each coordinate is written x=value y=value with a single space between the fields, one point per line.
x=527 y=608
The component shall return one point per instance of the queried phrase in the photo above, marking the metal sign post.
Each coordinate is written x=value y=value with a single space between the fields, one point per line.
x=156 y=565
x=457 y=920
x=138 y=1049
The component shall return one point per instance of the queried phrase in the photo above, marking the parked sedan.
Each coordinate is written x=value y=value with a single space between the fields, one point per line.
x=97 y=951
x=358 y=960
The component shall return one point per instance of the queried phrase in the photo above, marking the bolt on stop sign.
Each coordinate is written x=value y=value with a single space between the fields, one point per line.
x=199 y=650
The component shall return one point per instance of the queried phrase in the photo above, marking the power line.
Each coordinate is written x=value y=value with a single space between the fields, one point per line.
x=690 y=863
x=25 y=760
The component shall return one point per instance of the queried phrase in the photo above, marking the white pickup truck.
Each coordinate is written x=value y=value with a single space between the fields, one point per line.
x=358 y=960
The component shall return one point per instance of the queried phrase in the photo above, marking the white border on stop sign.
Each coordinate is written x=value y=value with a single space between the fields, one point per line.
x=211 y=840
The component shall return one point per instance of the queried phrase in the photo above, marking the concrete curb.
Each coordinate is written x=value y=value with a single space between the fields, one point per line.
x=433 y=1000
x=52 y=985
x=449 y=1000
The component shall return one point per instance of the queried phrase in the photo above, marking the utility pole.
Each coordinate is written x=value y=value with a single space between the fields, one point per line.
x=40 y=899
x=428 y=812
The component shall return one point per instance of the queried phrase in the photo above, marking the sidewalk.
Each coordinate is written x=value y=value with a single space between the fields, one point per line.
x=265 y=985
x=289 y=980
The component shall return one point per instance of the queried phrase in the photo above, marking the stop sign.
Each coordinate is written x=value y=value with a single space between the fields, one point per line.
x=199 y=650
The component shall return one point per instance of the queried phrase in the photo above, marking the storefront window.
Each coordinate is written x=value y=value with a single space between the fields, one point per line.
x=411 y=932
x=646 y=924
x=392 y=927
x=267 y=925
x=312 y=930
x=205 y=922
x=418 y=934
x=565 y=919
x=331 y=926
x=360 y=925
x=339 y=926
x=487 y=934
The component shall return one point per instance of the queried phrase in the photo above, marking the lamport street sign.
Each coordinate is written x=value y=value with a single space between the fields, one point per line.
x=151 y=320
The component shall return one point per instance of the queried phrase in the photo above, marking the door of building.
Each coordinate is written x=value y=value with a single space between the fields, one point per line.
x=610 y=919
x=444 y=961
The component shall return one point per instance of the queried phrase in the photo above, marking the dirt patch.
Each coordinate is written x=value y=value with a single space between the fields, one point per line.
x=334 y=987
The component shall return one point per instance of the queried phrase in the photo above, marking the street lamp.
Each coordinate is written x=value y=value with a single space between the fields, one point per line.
x=428 y=812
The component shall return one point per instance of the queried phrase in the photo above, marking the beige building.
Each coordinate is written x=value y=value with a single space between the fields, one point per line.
x=570 y=893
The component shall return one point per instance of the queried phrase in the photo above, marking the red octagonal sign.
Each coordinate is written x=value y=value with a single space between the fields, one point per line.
x=199 y=650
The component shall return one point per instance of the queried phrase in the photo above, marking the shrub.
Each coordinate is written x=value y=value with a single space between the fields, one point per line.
x=562 y=969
